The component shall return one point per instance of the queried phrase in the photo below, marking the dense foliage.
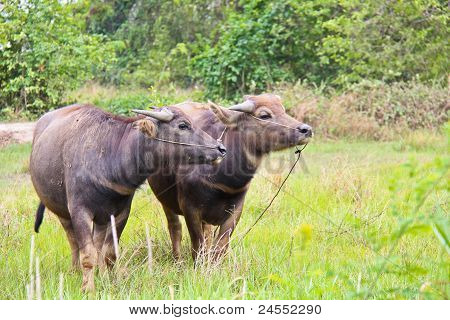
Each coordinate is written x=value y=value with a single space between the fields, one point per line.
x=235 y=47
x=44 y=51
x=387 y=40
x=48 y=47
x=369 y=109
x=160 y=37
x=326 y=41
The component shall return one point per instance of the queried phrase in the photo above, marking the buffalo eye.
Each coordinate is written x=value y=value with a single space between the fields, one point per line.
x=265 y=116
x=183 y=126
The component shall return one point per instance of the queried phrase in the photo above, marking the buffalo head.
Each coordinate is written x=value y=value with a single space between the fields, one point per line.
x=172 y=132
x=264 y=123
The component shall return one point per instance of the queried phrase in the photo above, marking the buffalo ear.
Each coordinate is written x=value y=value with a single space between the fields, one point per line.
x=147 y=126
x=225 y=116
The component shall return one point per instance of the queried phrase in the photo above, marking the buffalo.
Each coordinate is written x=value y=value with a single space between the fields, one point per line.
x=86 y=165
x=208 y=196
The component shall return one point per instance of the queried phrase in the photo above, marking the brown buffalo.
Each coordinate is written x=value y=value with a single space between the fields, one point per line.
x=86 y=165
x=208 y=196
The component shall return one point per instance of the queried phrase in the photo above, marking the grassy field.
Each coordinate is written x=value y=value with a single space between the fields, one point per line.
x=327 y=236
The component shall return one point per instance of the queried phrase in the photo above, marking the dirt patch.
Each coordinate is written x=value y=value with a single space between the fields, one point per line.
x=5 y=139
x=20 y=132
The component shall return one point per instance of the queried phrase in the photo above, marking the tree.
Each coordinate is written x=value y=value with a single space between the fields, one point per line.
x=45 y=51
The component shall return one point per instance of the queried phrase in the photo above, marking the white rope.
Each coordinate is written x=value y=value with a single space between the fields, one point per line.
x=272 y=122
x=219 y=139
x=186 y=144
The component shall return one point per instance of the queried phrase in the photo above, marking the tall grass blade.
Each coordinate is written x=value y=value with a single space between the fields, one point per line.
x=441 y=234
x=32 y=288
x=28 y=290
x=115 y=239
x=61 y=286
x=38 y=281
x=149 y=248
x=171 y=292
x=30 y=272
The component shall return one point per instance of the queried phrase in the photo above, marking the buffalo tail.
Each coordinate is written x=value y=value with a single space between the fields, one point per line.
x=39 y=217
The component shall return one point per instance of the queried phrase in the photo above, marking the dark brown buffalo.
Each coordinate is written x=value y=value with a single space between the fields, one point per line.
x=208 y=196
x=86 y=165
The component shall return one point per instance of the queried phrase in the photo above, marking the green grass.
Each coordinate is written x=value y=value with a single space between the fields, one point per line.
x=322 y=239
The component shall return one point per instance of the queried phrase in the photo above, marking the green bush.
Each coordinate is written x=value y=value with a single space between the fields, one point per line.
x=44 y=51
x=160 y=37
x=370 y=109
x=324 y=41
x=122 y=100
x=252 y=50
x=388 y=41
x=403 y=104
x=419 y=210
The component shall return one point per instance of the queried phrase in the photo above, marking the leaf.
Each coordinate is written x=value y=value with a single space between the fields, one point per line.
x=276 y=278
x=418 y=229
x=442 y=235
x=416 y=269
x=304 y=231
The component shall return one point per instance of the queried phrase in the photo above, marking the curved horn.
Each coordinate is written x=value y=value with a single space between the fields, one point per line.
x=165 y=115
x=246 y=106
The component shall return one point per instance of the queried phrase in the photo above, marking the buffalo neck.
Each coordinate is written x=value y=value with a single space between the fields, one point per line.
x=131 y=158
x=240 y=165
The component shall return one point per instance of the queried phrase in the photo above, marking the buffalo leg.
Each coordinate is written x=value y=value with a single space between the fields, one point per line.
x=225 y=231
x=82 y=224
x=68 y=227
x=108 y=252
x=174 y=225
x=208 y=235
x=194 y=225
x=99 y=240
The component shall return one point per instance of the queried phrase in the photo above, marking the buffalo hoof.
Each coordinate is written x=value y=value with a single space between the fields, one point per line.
x=88 y=285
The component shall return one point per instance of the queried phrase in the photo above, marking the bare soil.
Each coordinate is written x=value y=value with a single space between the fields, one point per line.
x=19 y=132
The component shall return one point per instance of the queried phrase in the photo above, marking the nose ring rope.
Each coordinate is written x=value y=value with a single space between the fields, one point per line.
x=186 y=143
x=272 y=122
x=298 y=152
x=219 y=139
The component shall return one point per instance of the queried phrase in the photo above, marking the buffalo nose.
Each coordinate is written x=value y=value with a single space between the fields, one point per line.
x=222 y=149
x=305 y=129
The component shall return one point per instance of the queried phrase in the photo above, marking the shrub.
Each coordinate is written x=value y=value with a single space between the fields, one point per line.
x=323 y=41
x=252 y=50
x=419 y=210
x=387 y=40
x=44 y=52
x=160 y=37
x=412 y=104
x=373 y=110
x=122 y=100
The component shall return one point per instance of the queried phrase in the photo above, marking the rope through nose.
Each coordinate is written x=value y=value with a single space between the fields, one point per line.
x=187 y=144
x=219 y=139
x=273 y=122
x=298 y=152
